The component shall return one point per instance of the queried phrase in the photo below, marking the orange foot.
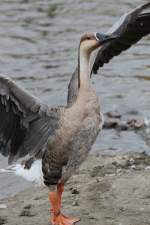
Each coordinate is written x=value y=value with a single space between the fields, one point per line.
x=57 y=217
x=62 y=220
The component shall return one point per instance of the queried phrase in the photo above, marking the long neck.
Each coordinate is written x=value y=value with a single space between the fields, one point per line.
x=83 y=65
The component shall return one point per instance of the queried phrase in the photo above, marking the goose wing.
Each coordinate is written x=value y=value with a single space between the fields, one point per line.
x=131 y=27
x=25 y=122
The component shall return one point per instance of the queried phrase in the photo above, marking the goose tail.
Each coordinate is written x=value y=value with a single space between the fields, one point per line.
x=32 y=174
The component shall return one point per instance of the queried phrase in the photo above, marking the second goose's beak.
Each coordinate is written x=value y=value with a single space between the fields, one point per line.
x=104 y=38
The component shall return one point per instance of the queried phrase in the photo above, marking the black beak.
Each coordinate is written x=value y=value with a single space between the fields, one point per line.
x=104 y=38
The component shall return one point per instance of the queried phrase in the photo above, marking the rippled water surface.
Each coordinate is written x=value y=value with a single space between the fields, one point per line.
x=38 y=48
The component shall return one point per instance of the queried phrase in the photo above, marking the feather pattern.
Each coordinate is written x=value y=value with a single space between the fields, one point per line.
x=131 y=28
x=26 y=123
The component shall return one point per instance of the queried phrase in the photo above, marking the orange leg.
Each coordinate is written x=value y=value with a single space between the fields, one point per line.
x=57 y=218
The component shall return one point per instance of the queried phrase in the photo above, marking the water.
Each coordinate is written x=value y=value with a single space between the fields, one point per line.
x=38 y=49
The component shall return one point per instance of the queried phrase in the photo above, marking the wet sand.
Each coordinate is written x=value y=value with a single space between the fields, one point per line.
x=107 y=189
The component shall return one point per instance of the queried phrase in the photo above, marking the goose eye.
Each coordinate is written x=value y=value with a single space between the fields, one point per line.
x=88 y=38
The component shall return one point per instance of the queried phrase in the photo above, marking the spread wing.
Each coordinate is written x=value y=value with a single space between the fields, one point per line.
x=25 y=123
x=131 y=27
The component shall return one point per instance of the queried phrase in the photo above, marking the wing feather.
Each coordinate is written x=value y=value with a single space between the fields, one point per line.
x=131 y=27
x=25 y=123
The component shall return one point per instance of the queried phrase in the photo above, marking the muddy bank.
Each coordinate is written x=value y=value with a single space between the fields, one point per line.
x=108 y=189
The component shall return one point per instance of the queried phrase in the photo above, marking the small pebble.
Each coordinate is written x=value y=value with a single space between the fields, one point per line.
x=92 y=218
x=114 y=163
x=27 y=207
x=26 y=213
x=122 y=209
x=132 y=160
x=133 y=166
x=75 y=191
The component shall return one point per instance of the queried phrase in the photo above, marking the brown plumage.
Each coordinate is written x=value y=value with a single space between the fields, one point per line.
x=62 y=137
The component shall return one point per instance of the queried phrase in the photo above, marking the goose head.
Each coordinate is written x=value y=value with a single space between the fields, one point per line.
x=91 y=41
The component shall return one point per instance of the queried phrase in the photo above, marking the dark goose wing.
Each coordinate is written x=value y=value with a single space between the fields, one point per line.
x=131 y=28
x=25 y=123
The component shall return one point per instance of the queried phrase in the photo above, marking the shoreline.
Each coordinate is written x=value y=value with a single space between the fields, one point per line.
x=107 y=189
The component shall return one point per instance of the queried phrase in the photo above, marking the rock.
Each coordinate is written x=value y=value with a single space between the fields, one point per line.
x=115 y=163
x=27 y=206
x=132 y=112
x=114 y=114
x=26 y=211
x=75 y=191
x=122 y=126
x=136 y=124
x=133 y=167
x=92 y=218
x=132 y=161
x=110 y=124
x=122 y=209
